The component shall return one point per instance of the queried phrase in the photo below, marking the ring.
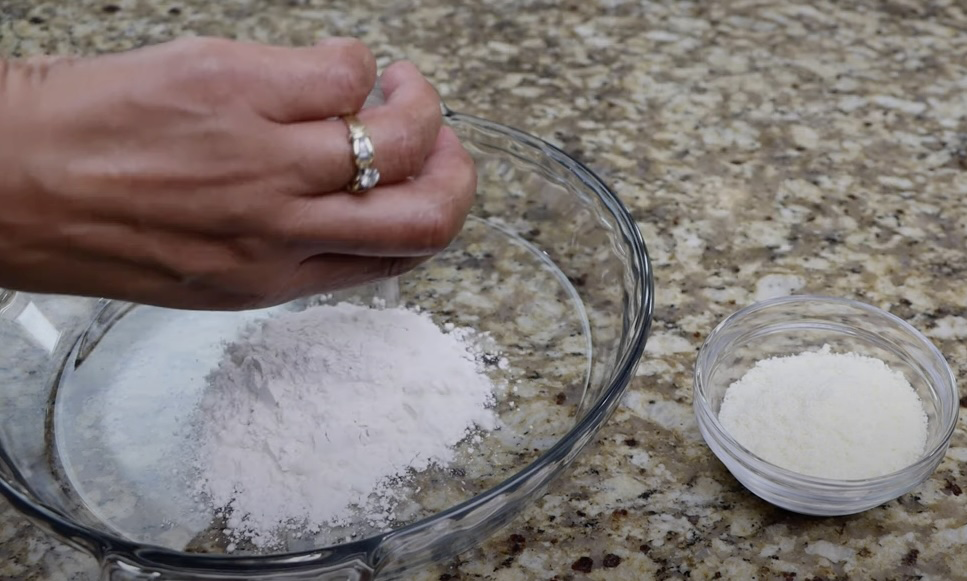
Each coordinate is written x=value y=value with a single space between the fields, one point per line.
x=364 y=153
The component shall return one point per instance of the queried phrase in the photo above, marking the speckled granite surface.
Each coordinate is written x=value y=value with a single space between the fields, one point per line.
x=764 y=146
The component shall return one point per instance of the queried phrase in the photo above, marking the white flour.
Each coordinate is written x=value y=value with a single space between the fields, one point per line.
x=310 y=413
x=833 y=415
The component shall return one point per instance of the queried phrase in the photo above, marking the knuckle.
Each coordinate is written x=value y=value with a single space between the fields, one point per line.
x=429 y=99
x=462 y=180
x=353 y=73
x=416 y=123
x=468 y=189
x=363 y=59
x=205 y=51
x=430 y=115
x=409 y=149
x=413 y=142
x=214 y=66
x=445 y=221
x=440 y=226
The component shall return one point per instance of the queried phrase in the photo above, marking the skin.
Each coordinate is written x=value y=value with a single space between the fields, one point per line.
x=211 y=174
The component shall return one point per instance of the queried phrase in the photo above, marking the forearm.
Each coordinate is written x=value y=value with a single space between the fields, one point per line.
x=19 y=80
x=11 y=165
x=24 y=215
x=9 y=87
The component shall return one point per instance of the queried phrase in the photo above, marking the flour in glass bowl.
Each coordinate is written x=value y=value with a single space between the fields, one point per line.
x=310 y=415
x=833 y=415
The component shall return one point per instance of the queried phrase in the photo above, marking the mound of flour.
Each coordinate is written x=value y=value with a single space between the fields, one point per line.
x=309 y=413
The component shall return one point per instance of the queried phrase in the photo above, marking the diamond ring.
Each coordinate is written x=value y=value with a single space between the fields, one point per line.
x=364 y=153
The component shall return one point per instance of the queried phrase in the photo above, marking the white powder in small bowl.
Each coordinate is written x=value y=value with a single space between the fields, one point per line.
x=833 y=415
x=310 y=414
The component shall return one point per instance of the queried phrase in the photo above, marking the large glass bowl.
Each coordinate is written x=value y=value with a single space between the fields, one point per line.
x=550 y=265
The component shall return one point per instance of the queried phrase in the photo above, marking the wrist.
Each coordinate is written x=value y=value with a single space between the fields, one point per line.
x=25 y=127
x=19 y=136
x=14 y=105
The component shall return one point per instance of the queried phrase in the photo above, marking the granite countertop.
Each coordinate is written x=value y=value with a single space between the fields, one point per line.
x=765 y=147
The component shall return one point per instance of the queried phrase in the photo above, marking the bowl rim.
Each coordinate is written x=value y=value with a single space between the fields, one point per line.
x=102 y=543
x=780 y=475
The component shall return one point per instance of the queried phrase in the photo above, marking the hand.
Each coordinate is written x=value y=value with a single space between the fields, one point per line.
x=211 y=174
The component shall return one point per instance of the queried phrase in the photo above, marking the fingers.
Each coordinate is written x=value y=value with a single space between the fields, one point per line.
x=302 y=84
x=331 y=272
x=282 y=84
x=403 y=130
x=417 y=217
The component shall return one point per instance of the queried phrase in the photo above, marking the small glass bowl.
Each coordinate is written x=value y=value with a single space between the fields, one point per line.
x=791 y=325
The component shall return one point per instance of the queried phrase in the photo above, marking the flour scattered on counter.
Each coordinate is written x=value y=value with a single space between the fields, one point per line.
x=311 y=415
x=833 y=415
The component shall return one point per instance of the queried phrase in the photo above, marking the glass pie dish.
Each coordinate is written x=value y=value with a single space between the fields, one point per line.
x=92 y=392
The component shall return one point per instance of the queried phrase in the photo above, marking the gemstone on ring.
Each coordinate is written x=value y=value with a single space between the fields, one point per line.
x=363 y=149
x=364 y=154
x=367 y=179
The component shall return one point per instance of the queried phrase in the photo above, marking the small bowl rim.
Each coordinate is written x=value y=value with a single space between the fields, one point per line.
x=784 y=476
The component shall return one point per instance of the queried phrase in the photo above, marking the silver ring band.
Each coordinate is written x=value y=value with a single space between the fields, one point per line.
x=364 y=154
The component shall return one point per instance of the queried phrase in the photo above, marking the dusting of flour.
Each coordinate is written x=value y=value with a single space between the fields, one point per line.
x=310 y=414
x=832 y=415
